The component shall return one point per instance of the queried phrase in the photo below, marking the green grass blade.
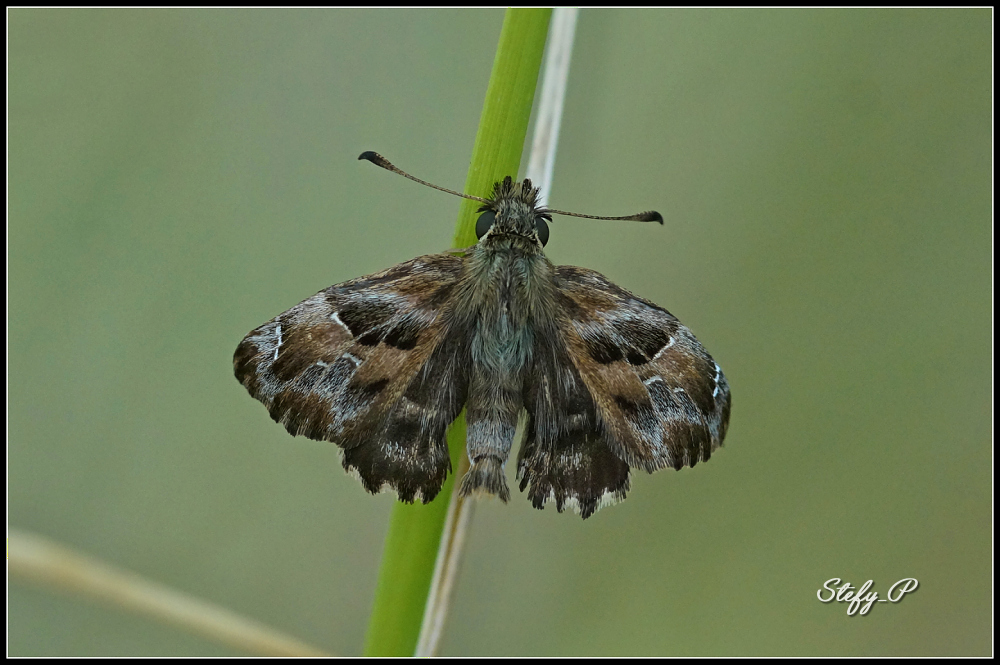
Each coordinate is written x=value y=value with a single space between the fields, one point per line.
x=411 y=545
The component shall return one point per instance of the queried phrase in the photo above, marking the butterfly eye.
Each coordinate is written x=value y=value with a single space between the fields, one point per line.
x=484 y=223
x=542 y=229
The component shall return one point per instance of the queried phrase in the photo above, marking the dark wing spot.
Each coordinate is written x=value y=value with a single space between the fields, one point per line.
x=363 y=316
x=603 y=349
x=367 y=391
x=646 y=339
x=371 y=338
x=403 y=335
x=635 y=358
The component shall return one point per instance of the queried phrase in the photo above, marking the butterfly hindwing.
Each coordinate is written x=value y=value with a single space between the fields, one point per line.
x=370 y=365
x=564 y=455
x=579 y=472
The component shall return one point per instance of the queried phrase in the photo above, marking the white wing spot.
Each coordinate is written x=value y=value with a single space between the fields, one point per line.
x=354 y=359
x=665 y=347
x=718 y=371
x=336 y=319
x=278 y=345
x=650 y=380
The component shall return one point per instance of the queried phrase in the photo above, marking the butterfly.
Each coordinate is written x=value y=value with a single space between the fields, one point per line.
x=603 y=380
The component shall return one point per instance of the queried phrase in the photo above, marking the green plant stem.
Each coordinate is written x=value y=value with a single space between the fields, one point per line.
x=411 y=546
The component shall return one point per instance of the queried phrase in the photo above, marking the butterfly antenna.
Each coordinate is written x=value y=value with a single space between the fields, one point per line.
x=379 y=160
x=648 y=216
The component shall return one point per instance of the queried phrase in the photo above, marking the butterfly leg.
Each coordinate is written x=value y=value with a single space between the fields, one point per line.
x=493 y=408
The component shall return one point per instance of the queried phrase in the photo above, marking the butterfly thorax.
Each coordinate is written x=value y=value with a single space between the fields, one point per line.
x=505 y=289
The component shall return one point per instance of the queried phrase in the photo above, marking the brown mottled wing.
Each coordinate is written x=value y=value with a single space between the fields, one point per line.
x=617 y=383
x=564 y=456
x=372 y=366
x=660 y=397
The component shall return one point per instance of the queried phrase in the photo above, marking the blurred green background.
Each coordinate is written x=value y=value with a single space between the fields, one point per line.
x=177 y=178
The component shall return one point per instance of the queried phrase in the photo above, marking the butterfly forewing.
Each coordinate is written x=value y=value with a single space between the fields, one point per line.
x=662 y=399
x=368 y=364
x=618 y=383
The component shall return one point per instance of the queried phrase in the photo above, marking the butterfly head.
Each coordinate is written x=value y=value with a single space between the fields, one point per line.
x=513 y=212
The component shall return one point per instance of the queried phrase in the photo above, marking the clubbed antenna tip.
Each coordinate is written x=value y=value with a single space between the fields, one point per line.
x=648 y=216
x=376 y=159
x=379 y=160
